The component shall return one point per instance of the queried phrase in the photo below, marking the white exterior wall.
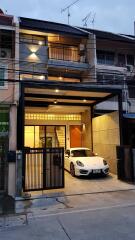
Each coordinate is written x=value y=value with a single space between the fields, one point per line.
x=106 y=137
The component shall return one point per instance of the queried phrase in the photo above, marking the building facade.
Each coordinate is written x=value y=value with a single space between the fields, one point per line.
x=8 y=104
x=58 y=78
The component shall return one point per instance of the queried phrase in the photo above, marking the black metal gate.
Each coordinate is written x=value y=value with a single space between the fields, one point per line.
x=3 y=163
x=126 y=163
x=43 y=168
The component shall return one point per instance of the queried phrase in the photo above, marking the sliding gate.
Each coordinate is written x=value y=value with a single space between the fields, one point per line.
x=43 y=168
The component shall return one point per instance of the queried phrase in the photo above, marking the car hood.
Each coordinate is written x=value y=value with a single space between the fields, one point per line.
x=92 y=162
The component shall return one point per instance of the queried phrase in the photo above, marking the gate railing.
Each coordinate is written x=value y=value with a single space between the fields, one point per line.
x=43 y=168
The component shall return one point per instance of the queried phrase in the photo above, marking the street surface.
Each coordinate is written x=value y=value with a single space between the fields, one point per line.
x=98 y=216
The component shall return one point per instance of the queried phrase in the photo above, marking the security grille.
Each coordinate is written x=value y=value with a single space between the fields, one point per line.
x=43 y=168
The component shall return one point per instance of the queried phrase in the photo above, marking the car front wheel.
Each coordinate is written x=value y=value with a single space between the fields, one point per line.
x=72 y=170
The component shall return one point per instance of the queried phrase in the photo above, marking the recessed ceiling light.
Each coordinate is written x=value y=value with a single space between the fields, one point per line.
x=60 y=78
x=56 y=90
x=40 y=43
x=42 y=77
x=55 y=102
x=84 y=100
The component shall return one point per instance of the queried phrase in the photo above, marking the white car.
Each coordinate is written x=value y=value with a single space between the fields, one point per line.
x=83 y=162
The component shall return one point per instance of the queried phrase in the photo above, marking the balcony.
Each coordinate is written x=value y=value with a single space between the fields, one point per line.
x=66 y=56
x=111 y=68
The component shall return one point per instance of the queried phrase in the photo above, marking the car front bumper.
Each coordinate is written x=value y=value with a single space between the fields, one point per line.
x=87 y=172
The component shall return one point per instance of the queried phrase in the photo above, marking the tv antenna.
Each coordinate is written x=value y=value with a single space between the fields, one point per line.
x=85 y=20
x=93 y=20
x=68 y=9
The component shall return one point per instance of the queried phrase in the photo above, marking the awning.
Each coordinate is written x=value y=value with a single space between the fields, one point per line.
x=129 y=115
x=74 y=94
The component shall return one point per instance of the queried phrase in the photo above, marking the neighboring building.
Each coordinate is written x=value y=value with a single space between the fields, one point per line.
x=7 y=95
x=115 y=65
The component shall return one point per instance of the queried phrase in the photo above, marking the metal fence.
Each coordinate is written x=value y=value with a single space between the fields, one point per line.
x=43 y=168
x=126 y=163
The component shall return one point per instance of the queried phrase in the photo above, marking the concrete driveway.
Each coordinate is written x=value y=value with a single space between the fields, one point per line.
x=76 y=185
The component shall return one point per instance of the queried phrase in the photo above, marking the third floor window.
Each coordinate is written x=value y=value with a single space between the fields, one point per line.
x=63 y=52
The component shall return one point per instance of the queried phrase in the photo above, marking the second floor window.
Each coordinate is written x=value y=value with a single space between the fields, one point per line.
x=105 y=57
x=2 y=76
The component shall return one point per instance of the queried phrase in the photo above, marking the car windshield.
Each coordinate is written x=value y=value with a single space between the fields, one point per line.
x=82 y=153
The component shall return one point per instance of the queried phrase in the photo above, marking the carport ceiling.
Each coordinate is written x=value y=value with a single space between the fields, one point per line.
x=48 y=93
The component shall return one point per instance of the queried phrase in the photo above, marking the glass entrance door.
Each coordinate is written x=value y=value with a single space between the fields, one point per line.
x=55 y=136
x=45 y=136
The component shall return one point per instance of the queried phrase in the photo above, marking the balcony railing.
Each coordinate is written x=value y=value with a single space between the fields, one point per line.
x=64 y=53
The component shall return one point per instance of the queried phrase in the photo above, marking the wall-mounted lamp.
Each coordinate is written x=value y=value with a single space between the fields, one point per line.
x=83 y=126
x=33 y=48
x=33 y=56
x=33 y=53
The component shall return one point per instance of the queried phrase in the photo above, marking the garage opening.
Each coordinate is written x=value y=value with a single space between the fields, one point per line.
x=52 y=120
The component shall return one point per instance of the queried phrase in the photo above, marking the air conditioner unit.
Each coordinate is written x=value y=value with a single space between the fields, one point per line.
x=129 y=68
x=5 y=53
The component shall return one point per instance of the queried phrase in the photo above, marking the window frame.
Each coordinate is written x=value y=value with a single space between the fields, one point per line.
x=106 y=54
x=129 y=59
x=5 y=86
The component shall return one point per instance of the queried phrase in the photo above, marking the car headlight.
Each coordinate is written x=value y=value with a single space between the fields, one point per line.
x=105 y=162
x=79 y=163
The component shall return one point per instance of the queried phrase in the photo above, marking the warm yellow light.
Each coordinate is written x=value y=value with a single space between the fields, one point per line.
x=33 y=49
x=33 y=56
x=56 y=90
x=55 y=102
x=83 y=127
x=40 y=43
x=84 y=100
x=60 y=78
x=42 y=77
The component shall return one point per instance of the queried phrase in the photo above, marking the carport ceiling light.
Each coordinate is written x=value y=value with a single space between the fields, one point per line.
x=57 y=90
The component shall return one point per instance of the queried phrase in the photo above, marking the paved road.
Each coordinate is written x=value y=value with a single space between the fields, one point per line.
x=87 y=217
